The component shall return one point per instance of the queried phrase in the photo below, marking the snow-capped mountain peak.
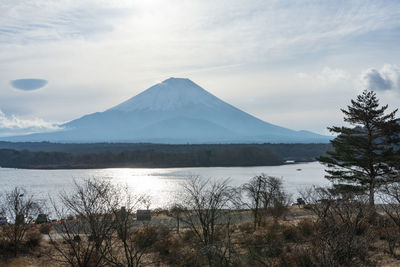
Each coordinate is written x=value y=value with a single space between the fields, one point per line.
x=174 y=111
x=170 y=94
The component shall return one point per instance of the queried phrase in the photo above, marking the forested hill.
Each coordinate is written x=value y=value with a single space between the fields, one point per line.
x=116 y=155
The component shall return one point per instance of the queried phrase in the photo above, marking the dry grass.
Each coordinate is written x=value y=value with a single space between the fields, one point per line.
x=292 y=231
x=27 y=261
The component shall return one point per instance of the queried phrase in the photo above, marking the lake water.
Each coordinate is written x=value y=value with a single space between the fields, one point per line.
x=162 y=185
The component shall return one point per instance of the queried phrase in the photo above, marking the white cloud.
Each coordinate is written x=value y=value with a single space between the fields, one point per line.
x=333 y=75
x=326 y=76
x=98 y=53
x=13 y=125
x=226 y=31
x=303 y=75
x=387 y=78
x=25 y=22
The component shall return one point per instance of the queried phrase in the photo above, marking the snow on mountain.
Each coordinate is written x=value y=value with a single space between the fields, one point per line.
x=170 y=94
x=174 y=111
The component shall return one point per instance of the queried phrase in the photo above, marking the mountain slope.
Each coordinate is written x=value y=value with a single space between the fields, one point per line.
x=174 y=111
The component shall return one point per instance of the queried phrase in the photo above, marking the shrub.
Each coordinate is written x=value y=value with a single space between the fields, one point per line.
x=189 y=258
x=16 y=262
x=290 y=233
x=145 y=237
x=169 y=249
x=33 y=237
x=4 y=243
x=305 y=228
x=246 y=227
x=45 y=228
x=342 y=243
x=176 y=250
x=385 y=229
x=264 y=246
x=300 y=257
x=279 y=209
x=188 y=236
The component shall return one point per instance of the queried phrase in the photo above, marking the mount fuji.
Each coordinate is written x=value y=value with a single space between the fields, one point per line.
x=175 y=111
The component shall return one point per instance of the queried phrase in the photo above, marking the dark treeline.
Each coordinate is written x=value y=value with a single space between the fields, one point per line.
x=108 y=155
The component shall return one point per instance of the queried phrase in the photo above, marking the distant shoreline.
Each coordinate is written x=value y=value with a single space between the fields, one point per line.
x=103 y=155
x=170 y=167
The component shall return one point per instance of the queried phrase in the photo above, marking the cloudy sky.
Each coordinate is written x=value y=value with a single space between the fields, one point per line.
x=291 y=63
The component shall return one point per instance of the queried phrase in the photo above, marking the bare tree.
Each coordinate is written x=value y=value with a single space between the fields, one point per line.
x=391 y=207
x=21 y=208
x=209 y=217
x=266 y=196
x=343 y=233
x=176 y=211
x=102 y=231
x=85 y=235
x=132 y=240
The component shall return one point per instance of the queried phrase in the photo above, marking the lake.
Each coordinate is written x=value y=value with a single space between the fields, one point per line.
x=162 y=185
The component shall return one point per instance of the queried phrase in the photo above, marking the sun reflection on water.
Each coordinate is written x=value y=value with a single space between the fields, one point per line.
x=163 y=186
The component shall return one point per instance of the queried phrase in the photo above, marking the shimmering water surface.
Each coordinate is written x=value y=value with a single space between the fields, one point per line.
x=162 y=185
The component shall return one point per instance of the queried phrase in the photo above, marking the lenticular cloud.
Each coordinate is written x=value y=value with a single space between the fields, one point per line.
x=28 y=84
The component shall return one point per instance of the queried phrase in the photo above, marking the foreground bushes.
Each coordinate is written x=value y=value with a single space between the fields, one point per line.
x=213 y=230
x=30 y=241
x=274 y=243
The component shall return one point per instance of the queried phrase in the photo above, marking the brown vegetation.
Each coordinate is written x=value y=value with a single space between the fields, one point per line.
x=214 y=231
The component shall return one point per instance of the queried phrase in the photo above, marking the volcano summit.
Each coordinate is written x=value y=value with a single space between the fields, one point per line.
x=175 y=111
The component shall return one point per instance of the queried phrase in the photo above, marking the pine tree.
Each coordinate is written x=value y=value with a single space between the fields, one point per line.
x=365 y=154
